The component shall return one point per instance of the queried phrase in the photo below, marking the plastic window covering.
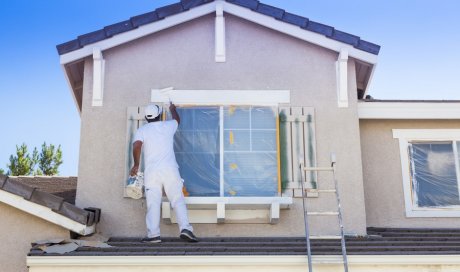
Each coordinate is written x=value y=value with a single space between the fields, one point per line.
x=196 y=145
x=434 y=176
x=249 y=151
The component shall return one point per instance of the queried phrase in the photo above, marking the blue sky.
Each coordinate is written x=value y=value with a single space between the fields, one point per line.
x=419 y=58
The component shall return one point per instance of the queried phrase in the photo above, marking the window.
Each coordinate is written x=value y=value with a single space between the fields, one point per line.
x=431 y=173
x=228 y=150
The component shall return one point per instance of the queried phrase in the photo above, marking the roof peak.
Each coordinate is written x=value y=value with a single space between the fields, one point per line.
x=185 y=5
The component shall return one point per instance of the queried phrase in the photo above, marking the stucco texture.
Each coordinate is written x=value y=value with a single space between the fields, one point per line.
x=183 y=58
x=18 y=230
x=383 y=184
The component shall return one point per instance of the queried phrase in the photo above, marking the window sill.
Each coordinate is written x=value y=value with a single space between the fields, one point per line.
x=218 y=210
x=434 y=212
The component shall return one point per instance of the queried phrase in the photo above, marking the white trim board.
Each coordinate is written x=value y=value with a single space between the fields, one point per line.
x=230 y=8
x=408 y=110
x=221 y=97
x=45 y=213
x=273 y=260
x=405 y=136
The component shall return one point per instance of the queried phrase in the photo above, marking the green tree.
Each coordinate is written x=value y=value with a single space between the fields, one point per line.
x=23 y=163
x=49 y=160
x=2 y=172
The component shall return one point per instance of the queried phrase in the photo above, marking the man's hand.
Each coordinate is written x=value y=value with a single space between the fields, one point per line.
x=175 y=115
x=134 y=170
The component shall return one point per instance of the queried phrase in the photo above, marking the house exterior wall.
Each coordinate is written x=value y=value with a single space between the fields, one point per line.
x=17 y=230
x=383 y=183
x=183 y=58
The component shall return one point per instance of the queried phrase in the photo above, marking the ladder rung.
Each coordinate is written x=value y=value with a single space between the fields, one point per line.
x=325 y=237
x=318 y=169
x=322 y=213
x=326 y=191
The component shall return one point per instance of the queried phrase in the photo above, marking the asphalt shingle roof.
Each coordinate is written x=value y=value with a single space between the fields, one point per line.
x=52 y=193
x=380 y=241
x=184 y=5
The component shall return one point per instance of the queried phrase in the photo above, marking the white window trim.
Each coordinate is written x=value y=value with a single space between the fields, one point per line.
x=221 y=97
x=407 y=135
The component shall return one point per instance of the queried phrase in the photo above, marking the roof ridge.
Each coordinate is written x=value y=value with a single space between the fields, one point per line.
x=185 y=5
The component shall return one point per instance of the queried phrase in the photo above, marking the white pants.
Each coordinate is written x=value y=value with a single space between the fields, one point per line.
x=170 y=179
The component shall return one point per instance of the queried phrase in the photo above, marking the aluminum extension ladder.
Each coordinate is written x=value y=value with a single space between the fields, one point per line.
x=337 y=213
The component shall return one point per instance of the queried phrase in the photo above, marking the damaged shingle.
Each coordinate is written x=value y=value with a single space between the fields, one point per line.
x=17 y=188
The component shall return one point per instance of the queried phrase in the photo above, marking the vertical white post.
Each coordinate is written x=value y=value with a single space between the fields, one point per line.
x=342 y=79
x=220 y=33
x=98 y=77
x=220 y=212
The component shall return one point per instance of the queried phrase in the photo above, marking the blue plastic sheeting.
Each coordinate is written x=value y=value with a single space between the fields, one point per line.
x=433 y=173
x=249 y=157
x=196 y=145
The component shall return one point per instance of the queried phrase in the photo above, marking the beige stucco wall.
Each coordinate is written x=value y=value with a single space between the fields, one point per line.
x=17 y=230
x=183 y=58
x=383 y=185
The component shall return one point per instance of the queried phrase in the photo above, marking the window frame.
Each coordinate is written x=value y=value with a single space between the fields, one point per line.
x=406 y=136
x=222 y=129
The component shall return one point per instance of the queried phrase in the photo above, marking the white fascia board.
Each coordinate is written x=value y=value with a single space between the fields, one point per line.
x=221 y=97
x=427 y=134
x=142 y=31
x=296 y=31
x=273 y=260
x=408 y=110
x=45 y=213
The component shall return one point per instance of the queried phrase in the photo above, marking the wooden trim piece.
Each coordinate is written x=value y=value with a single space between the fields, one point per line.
x=222 y=97
x=408 y=110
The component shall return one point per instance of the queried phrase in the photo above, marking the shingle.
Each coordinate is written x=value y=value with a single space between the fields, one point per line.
x=74 y=213
x=92 y=37
x=48 y=200
x=118 y=28
x=144 y=19
x=295 y=19
x=345 y=37
x=188 y=4
x=18 y=188
x=368 y=47
x=320 y=28
x=274 y=12
x=169 y=10
x=3 y=179
x=68 y=47
x=252 y=4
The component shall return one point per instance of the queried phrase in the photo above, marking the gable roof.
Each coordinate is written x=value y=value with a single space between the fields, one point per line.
x=185 y=5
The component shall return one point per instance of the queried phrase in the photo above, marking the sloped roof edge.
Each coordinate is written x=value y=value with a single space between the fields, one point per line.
x=186 y=5
x=47 y=206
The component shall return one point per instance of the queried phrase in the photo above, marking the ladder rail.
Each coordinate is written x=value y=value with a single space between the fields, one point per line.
x=332 y=169
x=305 y=219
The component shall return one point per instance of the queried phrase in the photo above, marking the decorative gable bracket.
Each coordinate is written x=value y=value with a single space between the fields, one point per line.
x=342 y=79
x=98 y=77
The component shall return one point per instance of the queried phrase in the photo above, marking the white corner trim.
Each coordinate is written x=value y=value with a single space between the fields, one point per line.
x=342 y=79
x=298 y=32
x=98 y=77
x=220 y=33
x=44 y=213
x=234 y=261
x=142 y=31
x=405 y=136
x=222 y=97
x=408 y=110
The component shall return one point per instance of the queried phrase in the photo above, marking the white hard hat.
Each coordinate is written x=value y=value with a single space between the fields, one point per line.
x=152 y=111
